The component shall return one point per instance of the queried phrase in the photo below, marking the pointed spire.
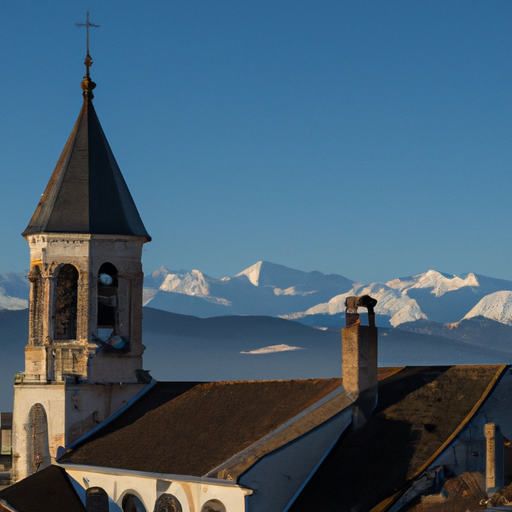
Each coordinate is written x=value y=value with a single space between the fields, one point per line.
x=87 y=84
x=87 y=192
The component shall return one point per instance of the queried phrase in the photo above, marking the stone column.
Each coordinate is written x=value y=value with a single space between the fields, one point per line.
x=494 y=459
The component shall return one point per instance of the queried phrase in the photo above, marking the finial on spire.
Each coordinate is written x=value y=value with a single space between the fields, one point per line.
x=87 y=84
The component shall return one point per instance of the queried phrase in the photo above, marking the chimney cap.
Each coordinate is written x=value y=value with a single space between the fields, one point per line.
x=361 y=301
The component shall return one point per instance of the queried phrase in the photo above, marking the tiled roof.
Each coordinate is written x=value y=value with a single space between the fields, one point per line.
x=418 y=412
x=87 y=193
x=200 y=429
x=48 y=490
x=196 y=428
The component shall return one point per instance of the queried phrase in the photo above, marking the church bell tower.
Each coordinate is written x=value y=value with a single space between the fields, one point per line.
x=84 y=354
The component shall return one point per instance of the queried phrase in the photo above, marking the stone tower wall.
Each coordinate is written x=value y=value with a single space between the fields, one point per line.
x=48 y=355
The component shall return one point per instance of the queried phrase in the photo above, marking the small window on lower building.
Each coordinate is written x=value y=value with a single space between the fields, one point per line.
x=38 y=451
x=213 y=506
x=168 y=503
x=132 y=503
x=96 y=500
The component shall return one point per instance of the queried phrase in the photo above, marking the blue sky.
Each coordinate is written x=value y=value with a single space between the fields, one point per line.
x=371 y=139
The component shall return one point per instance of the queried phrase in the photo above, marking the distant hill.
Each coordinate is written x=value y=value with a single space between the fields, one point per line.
x=476 y=331
x=13 y=338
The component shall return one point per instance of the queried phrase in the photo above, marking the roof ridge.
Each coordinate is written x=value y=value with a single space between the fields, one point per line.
x=326 y=408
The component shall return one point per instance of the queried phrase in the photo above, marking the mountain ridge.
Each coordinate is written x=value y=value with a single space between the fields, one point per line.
x=276 y=290
x=270 y=289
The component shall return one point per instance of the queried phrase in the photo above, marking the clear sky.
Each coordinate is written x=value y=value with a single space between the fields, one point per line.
x=371 y=139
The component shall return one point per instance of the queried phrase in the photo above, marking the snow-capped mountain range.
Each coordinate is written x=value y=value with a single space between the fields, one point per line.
x=429 y=296
x=262 y=289
x=312 y=298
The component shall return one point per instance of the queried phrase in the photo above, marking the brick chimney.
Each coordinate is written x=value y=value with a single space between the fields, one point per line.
x=359 y=356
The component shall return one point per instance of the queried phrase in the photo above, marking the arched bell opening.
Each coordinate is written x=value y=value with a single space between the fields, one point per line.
x=36 y=306
x=66 y=299
x=108 y=335
x=108 y=314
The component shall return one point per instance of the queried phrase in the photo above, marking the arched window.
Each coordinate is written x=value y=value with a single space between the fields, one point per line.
x=36 y=305
x=107 y=298
x=66 y=303
x=213 y=506
x=96 y=500
x=168 y=503
x=38 y=451
x=132 y=503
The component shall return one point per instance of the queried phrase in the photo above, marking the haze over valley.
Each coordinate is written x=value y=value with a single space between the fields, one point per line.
x=273 y=322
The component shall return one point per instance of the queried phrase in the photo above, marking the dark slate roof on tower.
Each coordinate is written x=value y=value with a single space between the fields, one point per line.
x=87 y=192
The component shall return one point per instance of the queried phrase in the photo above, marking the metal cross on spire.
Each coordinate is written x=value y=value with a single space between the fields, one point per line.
x=87 y=24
